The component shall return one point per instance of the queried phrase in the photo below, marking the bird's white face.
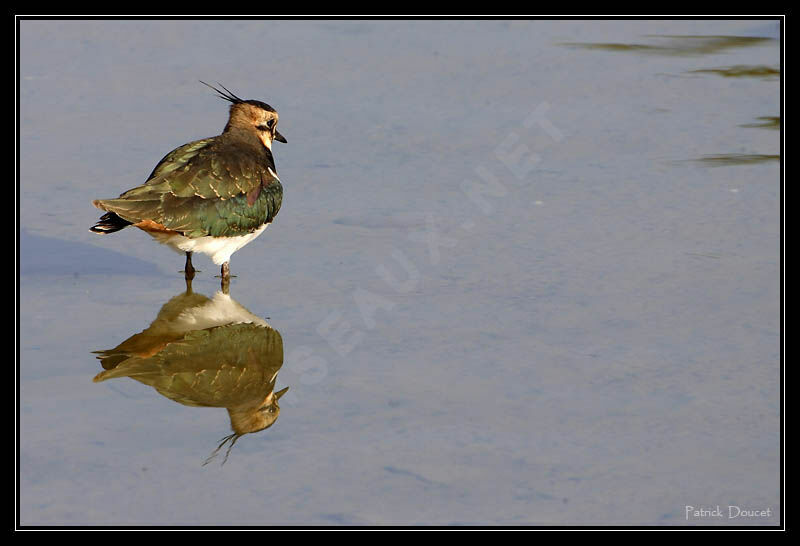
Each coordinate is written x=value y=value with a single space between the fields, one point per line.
x=263 y=122
x=251 y=115
x=267 y=126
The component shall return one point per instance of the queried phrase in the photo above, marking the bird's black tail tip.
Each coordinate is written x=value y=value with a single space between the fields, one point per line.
x=109 y=223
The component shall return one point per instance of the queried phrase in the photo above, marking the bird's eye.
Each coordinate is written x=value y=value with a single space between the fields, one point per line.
x=271 y=123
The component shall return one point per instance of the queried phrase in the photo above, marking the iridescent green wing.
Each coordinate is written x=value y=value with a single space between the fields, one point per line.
x=220 y=192
x=179 y=157
x=234 y=216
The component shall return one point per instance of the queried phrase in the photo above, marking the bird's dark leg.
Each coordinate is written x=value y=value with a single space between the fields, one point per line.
x=188 y=269
x=225 y=271
x=225 y=274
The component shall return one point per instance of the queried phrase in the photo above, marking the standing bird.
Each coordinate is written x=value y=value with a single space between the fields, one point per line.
x=212 y=195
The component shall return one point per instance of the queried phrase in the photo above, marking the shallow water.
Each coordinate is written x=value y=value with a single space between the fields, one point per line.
x=521 y=276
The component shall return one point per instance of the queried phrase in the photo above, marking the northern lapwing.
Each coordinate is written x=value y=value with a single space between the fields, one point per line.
x=212 y=195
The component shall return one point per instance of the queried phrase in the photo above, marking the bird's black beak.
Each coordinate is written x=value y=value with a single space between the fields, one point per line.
x=279 y=137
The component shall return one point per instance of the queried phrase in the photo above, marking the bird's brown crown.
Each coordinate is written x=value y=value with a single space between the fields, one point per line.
x=253 y=117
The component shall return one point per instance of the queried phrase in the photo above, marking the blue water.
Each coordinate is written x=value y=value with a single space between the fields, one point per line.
x=521 y=277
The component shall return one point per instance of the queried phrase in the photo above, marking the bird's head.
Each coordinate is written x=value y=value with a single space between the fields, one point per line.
x=252 y=116
x=254 y=418
x=248 y=418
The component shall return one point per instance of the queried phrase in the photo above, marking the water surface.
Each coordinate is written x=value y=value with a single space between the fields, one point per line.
x=525 y=273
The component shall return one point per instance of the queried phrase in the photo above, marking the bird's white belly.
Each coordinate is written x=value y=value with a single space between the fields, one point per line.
x=219 y=249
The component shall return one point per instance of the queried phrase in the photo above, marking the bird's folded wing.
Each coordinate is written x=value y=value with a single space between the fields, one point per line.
x=209 y=193
x=179 y=157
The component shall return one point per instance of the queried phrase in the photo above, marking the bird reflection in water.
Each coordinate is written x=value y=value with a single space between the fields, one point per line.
x=208 y=352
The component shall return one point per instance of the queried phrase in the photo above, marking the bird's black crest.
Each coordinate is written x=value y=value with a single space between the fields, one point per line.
x=230 y=97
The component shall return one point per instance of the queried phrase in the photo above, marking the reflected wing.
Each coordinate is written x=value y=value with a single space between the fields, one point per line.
x=219 y=366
